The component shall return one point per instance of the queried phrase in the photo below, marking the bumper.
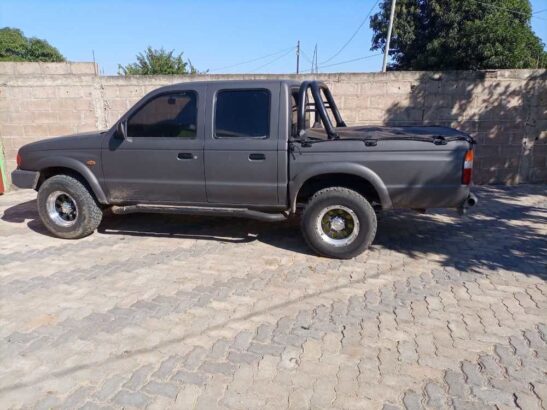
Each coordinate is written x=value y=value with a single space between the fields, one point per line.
x=25 y=179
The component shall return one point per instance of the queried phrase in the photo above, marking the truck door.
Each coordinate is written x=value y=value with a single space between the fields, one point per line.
x=161 y=160
x=241 y=152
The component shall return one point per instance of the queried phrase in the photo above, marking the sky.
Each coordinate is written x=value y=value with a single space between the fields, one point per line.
x=220 y=36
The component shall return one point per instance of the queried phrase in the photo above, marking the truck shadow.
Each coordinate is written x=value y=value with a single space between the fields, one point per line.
x=498 y=238
x=500 y=234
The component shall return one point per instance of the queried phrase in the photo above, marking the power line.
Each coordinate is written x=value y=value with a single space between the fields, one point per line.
x=347 y=61
x=354 y=33
x=306 y=56
x=274 y=60
x=253 y=60
x=510 y=10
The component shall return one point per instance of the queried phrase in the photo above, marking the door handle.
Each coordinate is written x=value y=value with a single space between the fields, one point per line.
x=186 y=155
x=256 y=156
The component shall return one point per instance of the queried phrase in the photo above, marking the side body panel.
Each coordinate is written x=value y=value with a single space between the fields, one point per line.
x=232 y=176
x=157 y=169
x=406 y=174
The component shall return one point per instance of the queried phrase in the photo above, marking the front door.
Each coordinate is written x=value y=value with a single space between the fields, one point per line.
x=241 y=153
x=161 y=160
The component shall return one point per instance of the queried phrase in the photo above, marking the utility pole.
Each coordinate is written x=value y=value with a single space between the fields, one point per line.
x=94 y=63
x=314 y=62
x=389 y=28
x=298 y=57
x=313 y=59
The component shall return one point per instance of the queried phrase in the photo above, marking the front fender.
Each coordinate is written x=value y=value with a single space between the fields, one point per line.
x=339 y=168
x=77 y=166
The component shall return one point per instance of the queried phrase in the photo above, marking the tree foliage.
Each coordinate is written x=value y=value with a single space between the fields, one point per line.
x=154 y=62
x=14 y=46
x=459 y=35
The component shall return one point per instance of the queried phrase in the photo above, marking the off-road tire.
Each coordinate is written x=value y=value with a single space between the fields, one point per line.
x=89 y=213
x=349 y=199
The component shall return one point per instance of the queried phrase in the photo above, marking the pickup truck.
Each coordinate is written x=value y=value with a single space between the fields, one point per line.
x=262 y=149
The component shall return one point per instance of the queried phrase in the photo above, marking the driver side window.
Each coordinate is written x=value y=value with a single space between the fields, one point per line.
x=169 y=115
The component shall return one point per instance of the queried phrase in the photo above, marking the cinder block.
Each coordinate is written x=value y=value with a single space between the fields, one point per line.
x=61 y=129
x=353 y=102
x=44 y=117
x=43 y=92
x=373 y=88
x=341 y=89
x=371 y=114
x=11 y=130
x=27 y=68
x=34 y=105
x=65 y=91
x=83 y=68
x=399 y=87
x=7 y=68
x=37 y=130
x=132 y=92
x=55 y=68
x=19 y=93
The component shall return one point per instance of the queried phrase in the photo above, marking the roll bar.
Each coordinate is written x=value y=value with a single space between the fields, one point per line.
x=320 y=110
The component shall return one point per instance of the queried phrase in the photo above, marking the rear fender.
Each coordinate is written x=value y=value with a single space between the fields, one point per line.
x=339 y=168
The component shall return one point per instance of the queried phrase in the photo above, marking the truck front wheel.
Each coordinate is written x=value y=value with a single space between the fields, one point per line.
x=338 y=223
x=67 y=208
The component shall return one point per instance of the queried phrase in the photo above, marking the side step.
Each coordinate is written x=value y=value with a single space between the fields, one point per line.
x=203 y=211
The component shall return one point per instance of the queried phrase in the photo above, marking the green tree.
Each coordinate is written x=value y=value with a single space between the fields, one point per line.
x=14 y=46
x=154 y=62
x=459 y=35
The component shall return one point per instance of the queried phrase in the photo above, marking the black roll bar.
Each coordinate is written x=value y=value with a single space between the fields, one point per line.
x=320 y=110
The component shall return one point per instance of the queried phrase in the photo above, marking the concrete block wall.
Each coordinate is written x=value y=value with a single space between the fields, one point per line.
x=505 y=110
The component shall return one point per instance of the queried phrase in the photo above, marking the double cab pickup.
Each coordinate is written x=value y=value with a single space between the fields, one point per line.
x=262 y=149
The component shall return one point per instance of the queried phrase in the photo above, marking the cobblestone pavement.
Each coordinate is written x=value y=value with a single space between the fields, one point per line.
x=183 y=312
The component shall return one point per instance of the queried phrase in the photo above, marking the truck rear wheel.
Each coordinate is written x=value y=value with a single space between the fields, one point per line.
x=338 y=223
x=67 y=208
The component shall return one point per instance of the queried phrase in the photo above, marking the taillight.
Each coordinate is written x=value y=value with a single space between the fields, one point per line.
x=18 y=159
x=468 y=167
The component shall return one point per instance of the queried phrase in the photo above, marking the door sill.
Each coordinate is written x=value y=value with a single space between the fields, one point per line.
x=203 y=211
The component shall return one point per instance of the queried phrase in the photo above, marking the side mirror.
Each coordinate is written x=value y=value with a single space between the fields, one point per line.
x=121 y=129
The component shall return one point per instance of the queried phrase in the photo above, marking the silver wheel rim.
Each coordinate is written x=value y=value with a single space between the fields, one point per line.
x=337 y=225
x=62 y=208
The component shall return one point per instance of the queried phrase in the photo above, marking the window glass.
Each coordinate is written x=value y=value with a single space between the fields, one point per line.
x=242 y=113
x=170 y=115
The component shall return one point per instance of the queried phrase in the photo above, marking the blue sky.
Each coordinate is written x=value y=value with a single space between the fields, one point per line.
x=213 y=34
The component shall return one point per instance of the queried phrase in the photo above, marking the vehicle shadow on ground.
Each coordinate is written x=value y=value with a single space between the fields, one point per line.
x=496 y=235
x=222 y=229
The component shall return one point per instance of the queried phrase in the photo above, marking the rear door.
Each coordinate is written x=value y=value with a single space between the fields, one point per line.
x=241 y=144
x=161 y=161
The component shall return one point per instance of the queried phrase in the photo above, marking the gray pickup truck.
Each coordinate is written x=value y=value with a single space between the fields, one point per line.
x=260 y=149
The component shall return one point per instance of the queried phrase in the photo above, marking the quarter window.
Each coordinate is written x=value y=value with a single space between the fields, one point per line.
x=242 y=114
x=169 y=115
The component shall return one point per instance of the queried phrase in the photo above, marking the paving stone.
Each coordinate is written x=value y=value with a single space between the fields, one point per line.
x=412 y=401
x=128 y=398
x=242 y=357
x=189 y=378
x=223 y=368
x=138 y=378
x=163 y=389
x=167 y=367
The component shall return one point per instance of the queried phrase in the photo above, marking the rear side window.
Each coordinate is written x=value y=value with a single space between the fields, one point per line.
x=169 y=115
x=242 y=114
